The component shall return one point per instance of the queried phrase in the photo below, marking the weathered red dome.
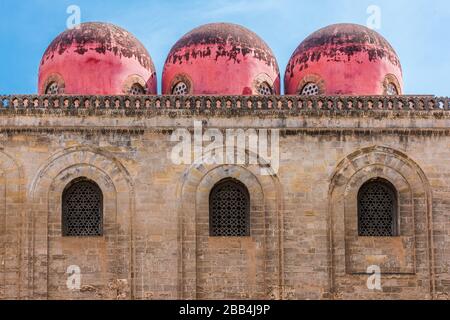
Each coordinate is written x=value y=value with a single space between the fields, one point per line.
x=96 y=58
x=221 y=58
x=344 y=59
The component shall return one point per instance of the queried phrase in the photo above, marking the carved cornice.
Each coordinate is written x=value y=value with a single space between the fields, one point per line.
x=216 y=105
x=283 y=132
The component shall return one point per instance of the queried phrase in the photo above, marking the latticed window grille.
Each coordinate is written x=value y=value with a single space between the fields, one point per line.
x=180 y=89
x=52 y=88
x=82 y=209
x=391 y=89
x=136 y=89
x=310 y=89
x=377 y=209
x=264 y=89
x=229 y=209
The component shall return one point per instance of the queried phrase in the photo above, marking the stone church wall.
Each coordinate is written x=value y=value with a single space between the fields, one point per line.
x=304 y=242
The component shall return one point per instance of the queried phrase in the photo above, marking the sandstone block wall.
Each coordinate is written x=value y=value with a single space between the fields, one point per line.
x=156 y=244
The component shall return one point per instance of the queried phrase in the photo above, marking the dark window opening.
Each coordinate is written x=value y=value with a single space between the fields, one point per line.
x=180 y=89
x=229 y=209
x=377 y=209
x=136 y=89
x=52 y=88
x=82 y=209
x=264 y=89
x=310 y=89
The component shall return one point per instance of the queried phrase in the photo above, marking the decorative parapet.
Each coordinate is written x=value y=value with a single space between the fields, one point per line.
x=246 y=104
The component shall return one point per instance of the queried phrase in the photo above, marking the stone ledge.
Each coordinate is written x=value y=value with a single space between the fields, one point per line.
x=228 y=113
x=233 y=105
x=283 y=131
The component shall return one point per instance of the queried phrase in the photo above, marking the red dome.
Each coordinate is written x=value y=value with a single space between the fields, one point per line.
x=221 y=58
x=344 y=59
x=96 y=58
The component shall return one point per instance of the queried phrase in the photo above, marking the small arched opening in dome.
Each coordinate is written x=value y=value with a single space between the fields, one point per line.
x=180 y=89
x=52 y=88
x=391 y=90
x=181 y=85
x=311 y=85
x=265 y=89
x=263 y=85
x=391 y=85
x=310 y=89
x=134 y=85
x=136 y=89
x=53 y=85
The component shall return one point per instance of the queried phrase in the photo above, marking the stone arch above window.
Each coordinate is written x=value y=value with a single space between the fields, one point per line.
x=265 y=89
x=311 y=85
x=391 y=85
x=229 y=209
x=134 y=85
x=53 y=85
x=136 y=89
x=82 y=209
x=377 y=209
x=45 y=194
x=263 y=85
x=181 y=85
x=351 y=254
x=265 y=225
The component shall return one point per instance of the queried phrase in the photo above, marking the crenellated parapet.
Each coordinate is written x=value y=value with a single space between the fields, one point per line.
x=208 y=104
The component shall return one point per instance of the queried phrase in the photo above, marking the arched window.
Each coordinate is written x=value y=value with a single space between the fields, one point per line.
x=180 y=89
x=52 y=88
x=229 y=209
x=310 y=89
x=136 y=89
x=391 y=85
x=264 y=89
x=82 y=209
x=377 y=209
x=391 y=89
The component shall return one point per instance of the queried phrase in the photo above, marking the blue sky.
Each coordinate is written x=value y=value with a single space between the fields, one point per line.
x=418 y=30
